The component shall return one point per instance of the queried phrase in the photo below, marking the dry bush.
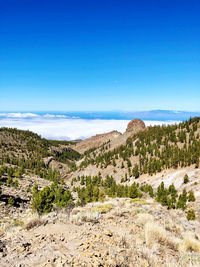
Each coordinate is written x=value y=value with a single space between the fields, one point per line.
x=143 y=218
x=87 y=216
x=120 y=212
x=152 y=259
x=157 y=234
x=35 y=223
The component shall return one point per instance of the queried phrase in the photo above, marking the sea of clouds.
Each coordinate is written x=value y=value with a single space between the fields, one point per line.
x=62 y=127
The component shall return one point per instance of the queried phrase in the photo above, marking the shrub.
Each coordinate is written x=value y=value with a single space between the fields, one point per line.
x=134 y=191
x=9 y=181
x=15 y=183
x=62 y=197
x=102 y=208
x=191 y=215
x=138 y=201
x=43 y=200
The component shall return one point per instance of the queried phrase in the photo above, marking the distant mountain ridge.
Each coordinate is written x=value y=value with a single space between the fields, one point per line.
x=158 y=115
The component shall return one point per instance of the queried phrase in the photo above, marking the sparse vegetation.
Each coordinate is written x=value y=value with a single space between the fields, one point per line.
x=191 y=215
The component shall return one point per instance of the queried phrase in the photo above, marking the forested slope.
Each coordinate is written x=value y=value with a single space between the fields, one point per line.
x=152 y=150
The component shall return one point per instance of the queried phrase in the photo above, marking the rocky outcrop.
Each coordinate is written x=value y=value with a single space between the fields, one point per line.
x=135 y=126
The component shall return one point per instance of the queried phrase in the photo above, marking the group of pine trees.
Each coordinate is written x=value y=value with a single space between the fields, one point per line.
x=157 y=148
x=22 y=166
x=95 y=189
x=169 y=197
x=44 y=200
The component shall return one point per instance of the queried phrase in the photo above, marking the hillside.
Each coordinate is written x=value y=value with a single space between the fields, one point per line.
x=116 y=199
x=147 y=152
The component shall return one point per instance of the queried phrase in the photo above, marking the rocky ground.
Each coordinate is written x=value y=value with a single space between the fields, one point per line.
x=117 y=232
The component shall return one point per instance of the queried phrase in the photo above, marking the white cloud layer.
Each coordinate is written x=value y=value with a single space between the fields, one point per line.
x=54 y=116
x=68 y=129
x=19 y=115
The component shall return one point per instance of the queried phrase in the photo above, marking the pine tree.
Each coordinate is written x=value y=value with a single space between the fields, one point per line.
x=181 y=204
x=136 y=173
x=191 y=197
x=186 y=179
x=134 y=192
x=95 y=193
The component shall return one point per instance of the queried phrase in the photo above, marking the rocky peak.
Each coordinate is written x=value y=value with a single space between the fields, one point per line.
x=135 y=126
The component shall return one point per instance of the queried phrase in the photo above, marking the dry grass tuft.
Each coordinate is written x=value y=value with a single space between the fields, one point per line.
x=120 y=212
x=155 y=234
x=138 y=201
x=143 y=218
x=189 y=244
x=123 y=242
x=18 y=222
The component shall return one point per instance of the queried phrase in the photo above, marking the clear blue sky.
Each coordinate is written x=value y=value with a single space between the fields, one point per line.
x=99 y=55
